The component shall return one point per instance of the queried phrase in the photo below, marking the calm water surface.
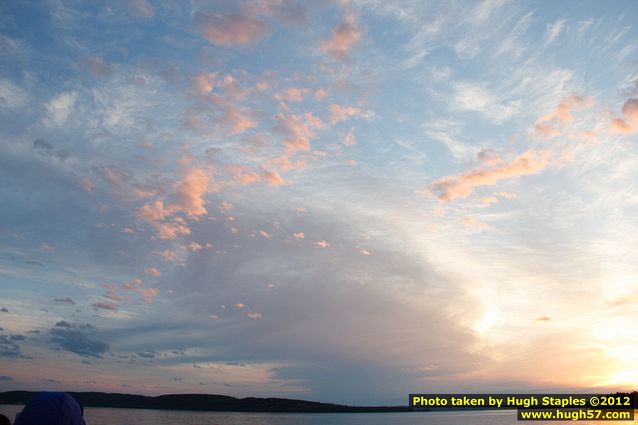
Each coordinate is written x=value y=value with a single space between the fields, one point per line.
x=104 y=416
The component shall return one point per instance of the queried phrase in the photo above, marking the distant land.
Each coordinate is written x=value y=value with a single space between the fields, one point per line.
x=222 y=403
x=204 y=402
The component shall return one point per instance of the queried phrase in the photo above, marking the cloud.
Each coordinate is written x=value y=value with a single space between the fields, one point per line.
x=563 y=111
x=232 y=29
x=152 y=271
x=105 y=306
x=546 y=126
x=542 y=319
x=96 y=66
x=12 y=97
x=322 y=244
x=186 y=199
x=203 y=83
x=47 y=149
x=141 y=8
x=147 y=294
x=86 y=184
x=241 y=174
x=553 y=31
x=9 y=347
x=5 y=378
x=462 y=186
x=273 y=178
x=340 y=113
x=293 y=94
x=254 y=316
x=79 y=339
x=194 y=247
x=345 y=36
x=236 y=120
x=299 y=130
x=299 y=236
x=350 y=138
x=288 y=12
x=629 y=123
x=59 y=108
x=470 y=96
x=65 y=300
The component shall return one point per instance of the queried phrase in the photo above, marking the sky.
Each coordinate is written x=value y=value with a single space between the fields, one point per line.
x=340 y=201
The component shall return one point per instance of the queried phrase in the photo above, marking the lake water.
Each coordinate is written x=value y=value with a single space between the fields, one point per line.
x=104 y=416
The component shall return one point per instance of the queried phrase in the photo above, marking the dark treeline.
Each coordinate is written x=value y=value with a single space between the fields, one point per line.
x=203 y=402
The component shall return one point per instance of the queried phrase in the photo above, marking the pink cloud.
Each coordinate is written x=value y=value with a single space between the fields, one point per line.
x=350 y=139
x=462 y=186
x=345 y=36
x=273 y=178
x=265 y=234
x=340 y=113
x=364 y=252
x=147 y=294
x=546 y=126
x=546 y=130
x=299 y=130
x=172 y=229
x=320 y=94
x=122 y=182
x=488 y=200
x=240 y=305
x=152 y=271
x=167 y=255
x=292 y=94
x=186 y=199
x=194 y=247
x=87 y=185
x=236 y=120
x=322 y=244
x=152 y=212
x=233 y=29
x=299 y=236
x=203 y=83
x=628 y=124
x=241 y=174
x=284 y=163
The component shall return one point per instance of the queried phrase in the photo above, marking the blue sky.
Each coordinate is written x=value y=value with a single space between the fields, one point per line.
x=343 y=201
